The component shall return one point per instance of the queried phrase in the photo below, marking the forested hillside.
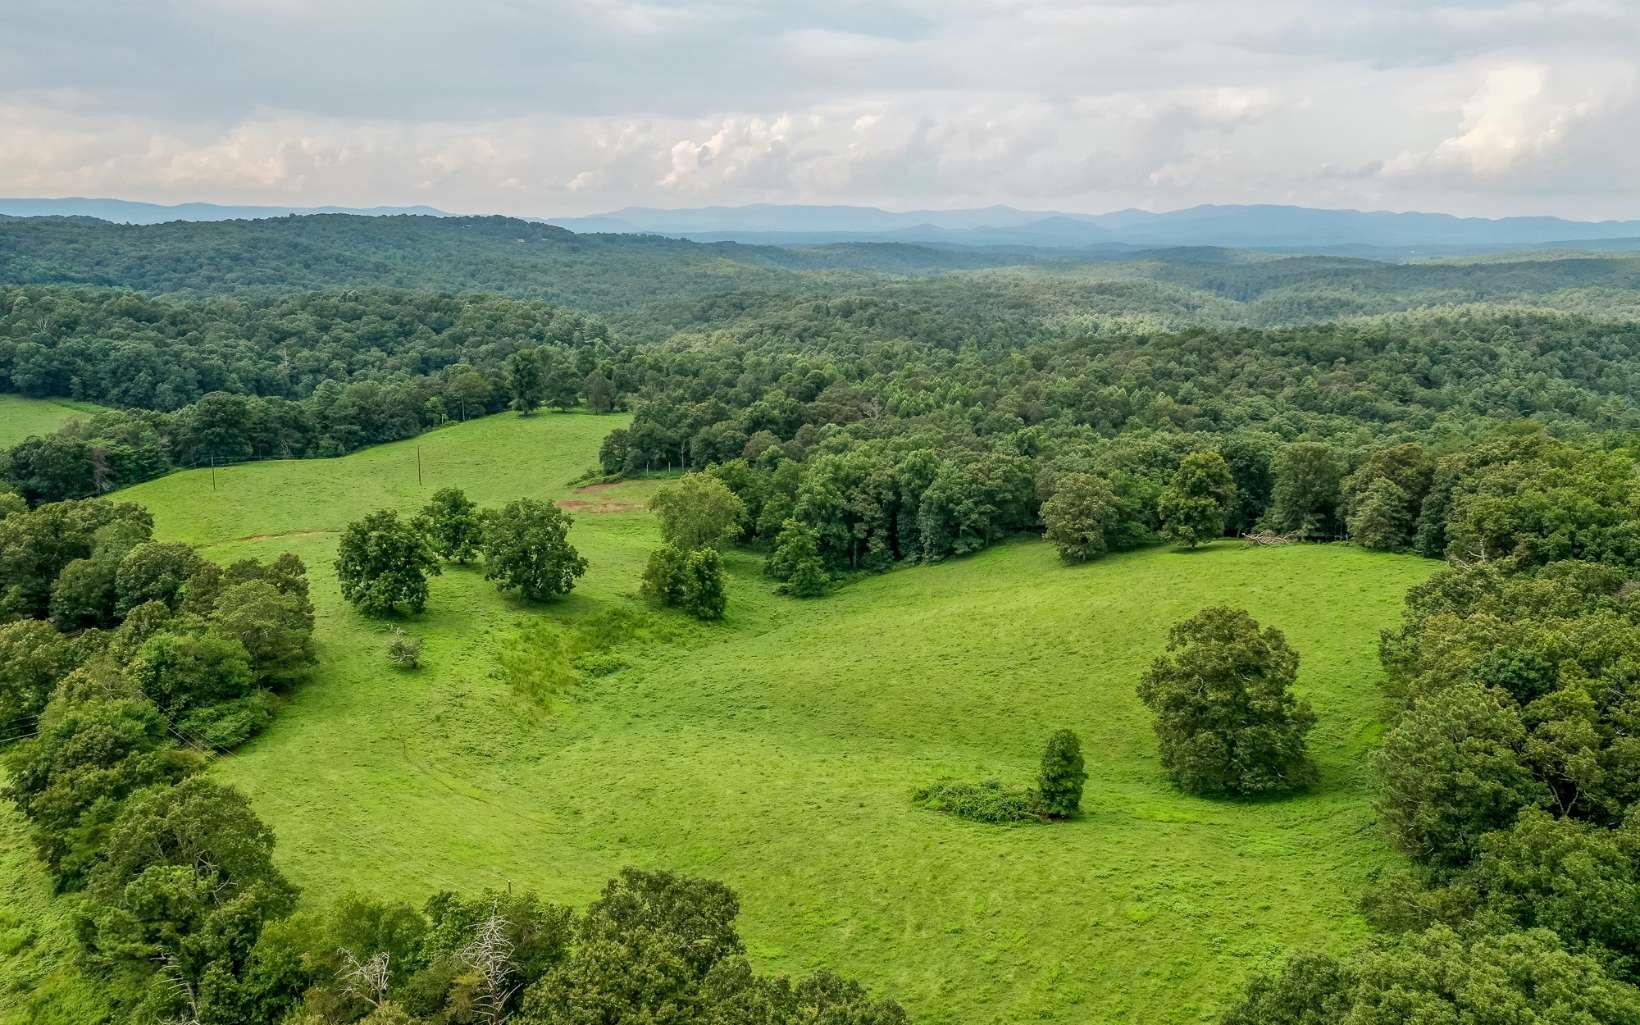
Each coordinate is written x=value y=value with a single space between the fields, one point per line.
x=625 y=273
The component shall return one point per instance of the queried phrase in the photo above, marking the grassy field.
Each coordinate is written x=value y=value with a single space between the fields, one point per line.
x=22 y=417
x=777 y=751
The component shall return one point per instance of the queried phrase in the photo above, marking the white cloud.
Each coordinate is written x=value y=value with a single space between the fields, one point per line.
x=566 y=106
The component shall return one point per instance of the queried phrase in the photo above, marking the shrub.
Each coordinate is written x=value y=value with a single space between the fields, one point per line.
x=1062 y=774
x=227 y=724
x=404 y=651
x=692 y=581
x=986 y=801
x=1224 y=717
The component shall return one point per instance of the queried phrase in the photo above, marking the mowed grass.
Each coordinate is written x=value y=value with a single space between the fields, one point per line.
x=777 y=751
x=22 y=417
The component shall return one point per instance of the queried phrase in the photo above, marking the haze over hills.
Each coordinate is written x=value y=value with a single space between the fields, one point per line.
x=1256 y=226
x=125 y=211
x=1377 y=234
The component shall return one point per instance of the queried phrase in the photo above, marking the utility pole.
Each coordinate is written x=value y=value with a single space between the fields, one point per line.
x=418 y=466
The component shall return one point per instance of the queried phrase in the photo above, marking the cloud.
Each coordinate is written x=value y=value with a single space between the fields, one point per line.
x=1532 y=127
x=568 y=106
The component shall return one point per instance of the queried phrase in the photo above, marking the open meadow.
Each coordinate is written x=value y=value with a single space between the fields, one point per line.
x=22 y=417
x=776 y=751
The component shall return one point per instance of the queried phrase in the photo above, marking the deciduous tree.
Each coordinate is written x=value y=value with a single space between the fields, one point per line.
x=383 y=564
x=526 y=547
x=1226 y=720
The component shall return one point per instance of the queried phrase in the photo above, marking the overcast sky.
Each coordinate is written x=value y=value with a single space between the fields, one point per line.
x=552 y=107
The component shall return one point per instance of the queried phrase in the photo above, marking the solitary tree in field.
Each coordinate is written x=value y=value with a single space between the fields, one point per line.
x=1080 y=517
x=526 y=547
x=1225 y=719
x=1062 y=775
x=450 y=521
x=526 y=381
x=383 y=563
x=1194 y=505
x=698 y=511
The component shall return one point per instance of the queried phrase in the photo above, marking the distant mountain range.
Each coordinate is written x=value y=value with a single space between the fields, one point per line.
x=1285 y=228
x=1248 y=227
x=125 y=211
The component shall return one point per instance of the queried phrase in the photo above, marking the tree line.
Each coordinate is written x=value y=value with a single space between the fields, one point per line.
x=224 y=380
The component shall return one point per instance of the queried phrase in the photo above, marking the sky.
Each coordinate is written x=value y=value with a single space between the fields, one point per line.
x=562 y=107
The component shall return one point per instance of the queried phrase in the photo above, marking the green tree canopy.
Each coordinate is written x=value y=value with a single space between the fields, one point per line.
x=1226 y=720
x=526 y=547
x=450 y=521
x=383 y=564
x=1194 y=505
x=698 y=511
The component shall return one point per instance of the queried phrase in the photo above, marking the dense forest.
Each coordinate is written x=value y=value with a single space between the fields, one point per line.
x=631 y=275
x=840 y=411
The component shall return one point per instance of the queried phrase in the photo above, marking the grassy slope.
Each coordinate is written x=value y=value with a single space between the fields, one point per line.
x=22 y=417
x=776 y=751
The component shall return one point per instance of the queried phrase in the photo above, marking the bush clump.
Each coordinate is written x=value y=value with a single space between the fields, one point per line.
x=404 y=651
x=1059 y=782
x=1056 y=795
x=985 y=801
x=689 y=580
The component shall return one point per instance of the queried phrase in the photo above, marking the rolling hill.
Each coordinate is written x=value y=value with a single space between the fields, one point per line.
x=777 y=750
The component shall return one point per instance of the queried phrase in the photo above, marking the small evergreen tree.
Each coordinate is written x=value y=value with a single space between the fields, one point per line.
x=1062 y=775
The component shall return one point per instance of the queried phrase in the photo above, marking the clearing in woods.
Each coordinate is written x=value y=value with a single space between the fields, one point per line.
x=22 y=417
x=776 y=751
